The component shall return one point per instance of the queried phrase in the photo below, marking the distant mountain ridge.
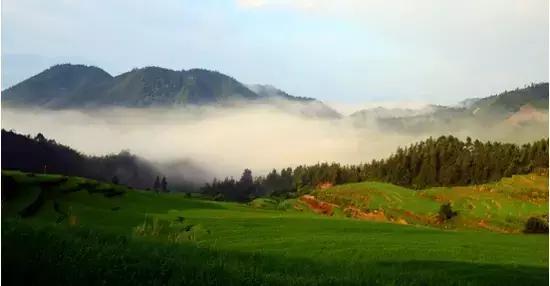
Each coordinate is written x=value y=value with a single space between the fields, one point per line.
x=503 y=104
x=509 y=102
x=269 y=91
x=522 y=107
x=80 y=86
x=70 y=85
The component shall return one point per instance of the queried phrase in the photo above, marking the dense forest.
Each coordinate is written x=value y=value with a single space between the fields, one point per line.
x=42 y=155
x=445 y=161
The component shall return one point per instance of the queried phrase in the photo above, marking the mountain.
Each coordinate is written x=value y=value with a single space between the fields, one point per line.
x=60 y=85
x=269 y=91
x=67 y=85
x=80 y=86
x=468 y=102
x=305 y=106
x=370 y=116
x=525 y=107
x=504 y=104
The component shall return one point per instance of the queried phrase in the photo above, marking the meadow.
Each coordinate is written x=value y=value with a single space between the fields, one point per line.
x=502 y=206
x=60 y=230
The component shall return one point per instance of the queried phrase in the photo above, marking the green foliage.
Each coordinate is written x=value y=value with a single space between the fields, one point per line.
x=243 y=190
x=537 y=224
x=445 y=161
x=173 y=231
x=446 y=212
x=534 y=94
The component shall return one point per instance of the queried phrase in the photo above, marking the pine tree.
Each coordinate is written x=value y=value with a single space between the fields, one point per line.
x=164 y=184
x=156 y=185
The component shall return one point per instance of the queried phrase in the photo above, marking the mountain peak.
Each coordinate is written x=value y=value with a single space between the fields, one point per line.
x=70 y=85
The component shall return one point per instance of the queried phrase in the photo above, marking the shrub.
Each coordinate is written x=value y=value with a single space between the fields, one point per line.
x=219 y=197
x=9 y=187
x=177 y=231
x=446 y=212
x=537 y=225
x=153 y=227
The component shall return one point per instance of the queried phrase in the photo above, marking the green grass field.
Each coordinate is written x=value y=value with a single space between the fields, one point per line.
x=92 y=233
x=503 y=206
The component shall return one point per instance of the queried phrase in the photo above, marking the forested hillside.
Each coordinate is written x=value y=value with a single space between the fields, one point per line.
x=40 y=155
x=530 y=102
x=445 y=161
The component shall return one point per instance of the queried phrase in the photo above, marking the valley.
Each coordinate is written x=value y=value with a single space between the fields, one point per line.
x=275 y=142
x=130 y=236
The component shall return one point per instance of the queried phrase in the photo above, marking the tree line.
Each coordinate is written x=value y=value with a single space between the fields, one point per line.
x=443 y=161
x=41 y=155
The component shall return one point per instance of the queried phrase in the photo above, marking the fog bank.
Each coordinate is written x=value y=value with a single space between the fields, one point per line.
x=220 y=141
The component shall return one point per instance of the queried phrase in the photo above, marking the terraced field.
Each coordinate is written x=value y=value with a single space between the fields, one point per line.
x=503 y=206
x=85 y=232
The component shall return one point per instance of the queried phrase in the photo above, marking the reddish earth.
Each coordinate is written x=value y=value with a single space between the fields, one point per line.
x=482 y=223
x=317 y=205
x=526 y=113
x=423 y=219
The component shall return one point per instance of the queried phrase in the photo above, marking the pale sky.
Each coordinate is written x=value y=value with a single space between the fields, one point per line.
x=346 y=51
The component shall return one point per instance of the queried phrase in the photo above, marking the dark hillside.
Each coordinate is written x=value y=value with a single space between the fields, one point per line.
x=40 y=155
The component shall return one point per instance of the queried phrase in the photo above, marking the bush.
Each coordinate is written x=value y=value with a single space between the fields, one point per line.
x=176 y=231
x=9 y=187
x=446 y=212
x=537 y=225
x=219 y=197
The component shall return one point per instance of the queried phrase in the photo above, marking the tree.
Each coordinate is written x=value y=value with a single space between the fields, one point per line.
x=446 y=212
x=246 y=178
x=40 y=138
x=445 y=161
x=537 y=225
x=156 y=185
x=164 y=185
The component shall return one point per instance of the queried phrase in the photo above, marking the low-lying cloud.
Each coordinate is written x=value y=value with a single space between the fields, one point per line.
x=219 y=140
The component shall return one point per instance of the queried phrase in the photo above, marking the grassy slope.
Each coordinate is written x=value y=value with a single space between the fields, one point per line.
x=502 y=206
x=235 y=244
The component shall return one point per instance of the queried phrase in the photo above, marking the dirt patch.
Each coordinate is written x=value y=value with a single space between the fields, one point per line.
x=317 y=205
x=421 y=219
x=325 y=185
x=527 y=113
x=374 y=215
x=401 y=221
x=482 y=224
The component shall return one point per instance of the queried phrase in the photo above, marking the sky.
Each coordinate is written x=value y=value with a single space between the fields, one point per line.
x=347 y=52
